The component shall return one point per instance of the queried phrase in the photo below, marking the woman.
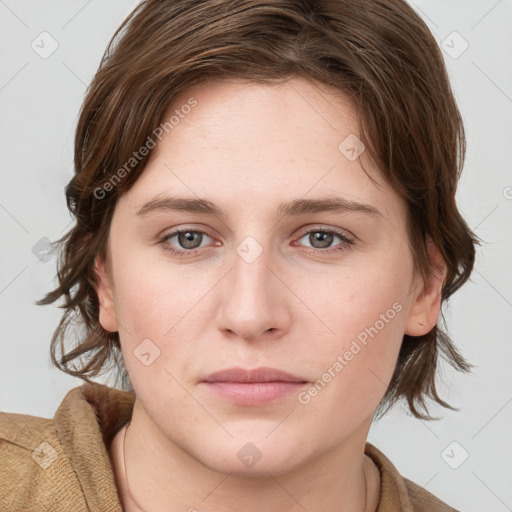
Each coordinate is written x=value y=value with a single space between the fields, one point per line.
x=266 y=230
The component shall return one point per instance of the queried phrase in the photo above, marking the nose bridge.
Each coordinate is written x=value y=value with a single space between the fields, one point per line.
x=251 y=304
x=251 y=271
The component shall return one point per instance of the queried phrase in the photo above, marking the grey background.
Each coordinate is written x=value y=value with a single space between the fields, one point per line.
x=39 y=103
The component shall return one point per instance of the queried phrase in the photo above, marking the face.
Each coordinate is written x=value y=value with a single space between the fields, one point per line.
x=260 y=273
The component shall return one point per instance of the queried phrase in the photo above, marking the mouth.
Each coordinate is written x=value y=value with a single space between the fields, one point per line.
x=256 y=387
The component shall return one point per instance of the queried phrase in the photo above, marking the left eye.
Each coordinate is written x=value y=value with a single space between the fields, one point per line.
x=323 y=238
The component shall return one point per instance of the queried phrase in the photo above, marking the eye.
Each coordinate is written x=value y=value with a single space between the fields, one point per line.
x=188 y=239
x=322 y=238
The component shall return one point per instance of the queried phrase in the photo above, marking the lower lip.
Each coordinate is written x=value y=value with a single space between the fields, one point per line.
x=255 y=393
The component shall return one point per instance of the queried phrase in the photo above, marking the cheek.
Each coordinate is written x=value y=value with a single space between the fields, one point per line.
x=162 y=311
x=363 y=316
x=350 y=301
x=152 y=300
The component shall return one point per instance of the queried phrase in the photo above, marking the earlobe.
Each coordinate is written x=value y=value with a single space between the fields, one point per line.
x=426 y=306
x=107 y=313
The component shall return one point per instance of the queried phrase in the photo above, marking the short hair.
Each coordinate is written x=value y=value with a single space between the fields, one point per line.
x=379 y=53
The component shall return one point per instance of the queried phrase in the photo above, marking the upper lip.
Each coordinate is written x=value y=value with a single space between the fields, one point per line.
x=261 y=374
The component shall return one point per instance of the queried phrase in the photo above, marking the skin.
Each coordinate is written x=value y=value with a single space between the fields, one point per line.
x=247 y=148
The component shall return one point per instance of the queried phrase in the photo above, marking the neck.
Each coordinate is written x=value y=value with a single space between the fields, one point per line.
x=341 y=479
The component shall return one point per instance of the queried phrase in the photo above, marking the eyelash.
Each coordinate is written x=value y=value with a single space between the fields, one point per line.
x=346 y=241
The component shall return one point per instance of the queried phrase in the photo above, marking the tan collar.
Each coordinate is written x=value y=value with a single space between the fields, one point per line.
x=86 y=421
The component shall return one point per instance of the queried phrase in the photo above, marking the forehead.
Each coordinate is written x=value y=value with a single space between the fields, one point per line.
x=234 y=104
x=249 y=143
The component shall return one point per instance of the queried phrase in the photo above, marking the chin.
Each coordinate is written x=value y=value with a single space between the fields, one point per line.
x=252 y=457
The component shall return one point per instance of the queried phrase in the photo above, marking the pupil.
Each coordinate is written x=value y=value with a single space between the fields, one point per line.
x=187 y=239
x=325 y=239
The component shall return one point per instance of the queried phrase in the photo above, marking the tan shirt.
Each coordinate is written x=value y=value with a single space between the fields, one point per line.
x=63 y=464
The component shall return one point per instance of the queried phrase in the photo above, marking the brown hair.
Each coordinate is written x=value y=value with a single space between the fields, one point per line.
x=378 y=52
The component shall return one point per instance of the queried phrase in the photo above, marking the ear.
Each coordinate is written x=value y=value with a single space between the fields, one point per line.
x=426 y=306
x=104 y=289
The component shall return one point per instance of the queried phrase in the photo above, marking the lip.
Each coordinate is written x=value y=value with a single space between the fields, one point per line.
x=261 y=374
x=253 y=387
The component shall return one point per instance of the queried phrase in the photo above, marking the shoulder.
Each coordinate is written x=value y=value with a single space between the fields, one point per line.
x=423 y=500
x=63 y=464
x=35 y=472
x=399 y=494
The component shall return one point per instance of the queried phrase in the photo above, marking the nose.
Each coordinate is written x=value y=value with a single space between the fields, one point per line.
x=254 y=299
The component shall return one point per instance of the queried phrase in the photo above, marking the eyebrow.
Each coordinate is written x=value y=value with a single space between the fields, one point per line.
x=292 y=208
